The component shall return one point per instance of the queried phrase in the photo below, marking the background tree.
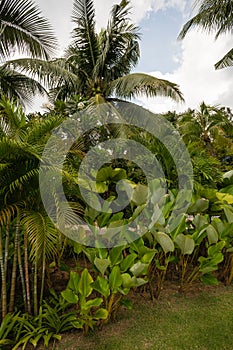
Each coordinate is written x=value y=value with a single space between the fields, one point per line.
x=213 y=16
x=23 y=30
x=205 y=125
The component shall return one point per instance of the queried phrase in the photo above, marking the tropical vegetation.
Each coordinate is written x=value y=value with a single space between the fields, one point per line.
x=52 y=283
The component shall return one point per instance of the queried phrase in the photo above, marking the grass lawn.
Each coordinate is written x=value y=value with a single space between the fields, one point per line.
x=202 y=320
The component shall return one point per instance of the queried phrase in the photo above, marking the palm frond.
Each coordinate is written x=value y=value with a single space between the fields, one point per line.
x=23 y=28
x=49 y=73
x=226 y=61
x=84 y=36
x=119 y=49
x=213 y=16
x=42 y=235
x=8 y=213
x=136 y=84
x=18 y=86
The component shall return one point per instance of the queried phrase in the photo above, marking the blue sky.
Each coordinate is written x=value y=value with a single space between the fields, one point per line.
x=159 y=45
x=189 y=63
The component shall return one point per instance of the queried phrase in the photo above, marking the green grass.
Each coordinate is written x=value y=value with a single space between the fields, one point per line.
x=202 y=320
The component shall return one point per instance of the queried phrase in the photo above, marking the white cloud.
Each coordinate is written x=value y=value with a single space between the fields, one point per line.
x=140 y=8
x=196 y=76
x=59 y=13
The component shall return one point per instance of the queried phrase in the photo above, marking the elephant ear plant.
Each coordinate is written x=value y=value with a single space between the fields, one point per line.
x=118 y=271
x=78 y=292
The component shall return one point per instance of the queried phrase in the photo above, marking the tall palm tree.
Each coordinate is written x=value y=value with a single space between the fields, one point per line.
x=213 y=16
x=98 y=65
x=22 y=30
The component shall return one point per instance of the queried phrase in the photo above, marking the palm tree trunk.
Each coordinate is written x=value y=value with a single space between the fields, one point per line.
x=35 y=289
x=3 y=277
x=7 y=246
x=14 y=268
x=43 y=264
x=26 y=271
x=42 y=279
x=22 y=276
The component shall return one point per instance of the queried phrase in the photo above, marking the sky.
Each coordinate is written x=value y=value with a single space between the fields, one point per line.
x=188 y=63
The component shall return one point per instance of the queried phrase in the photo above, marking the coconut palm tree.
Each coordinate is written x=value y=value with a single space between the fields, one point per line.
x=98 y=65
x=23 y=30
x=213 y=16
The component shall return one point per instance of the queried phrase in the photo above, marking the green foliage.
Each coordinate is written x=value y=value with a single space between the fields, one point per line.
x=23 y=329
x=89 y=313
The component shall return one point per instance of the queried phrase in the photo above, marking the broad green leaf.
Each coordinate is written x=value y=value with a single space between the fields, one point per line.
x=138 y=246
x=212 y=250
x=158 y=195
x=200 y=205
x=115 y=255
x=229 y=214
x=208 y=279
x=127 y=281
x=101 y=314
x=103 y=219
x=228 y=189
x=78 y=248
x=93 y=303
x=128 y=262
x=185 y=243
x=104 y=174
x=118 y=174
x=101 y=264
x=101 y=286
x=212 y=234
x=115 y=279
x=74 y=281
x=127 y=303
x=225 y=197
x=103 y=253
x=199 y=221
x=101 y=187
x=139 y=269
x=148 y=257
x=140 y=195
x=165 y=241
x=217 y=259
x=157 y=217
x=138 y=282
x=84 y=286
x=69 y=296
x=179 y=223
